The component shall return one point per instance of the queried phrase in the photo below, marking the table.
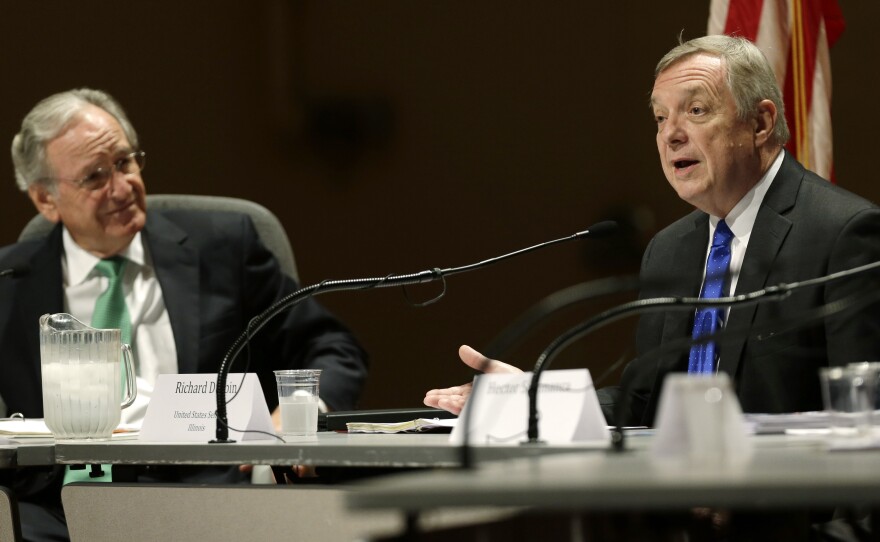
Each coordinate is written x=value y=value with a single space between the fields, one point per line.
x=784 y=472
x=246 y=505
x=782 y=475
x=28 y=452
x=325 y=449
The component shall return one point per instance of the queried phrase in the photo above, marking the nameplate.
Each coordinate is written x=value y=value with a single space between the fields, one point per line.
x=568 y=409
x=184 y=409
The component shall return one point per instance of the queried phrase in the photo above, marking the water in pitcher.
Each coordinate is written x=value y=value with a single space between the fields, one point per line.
x=82 y=377
x=81 y=400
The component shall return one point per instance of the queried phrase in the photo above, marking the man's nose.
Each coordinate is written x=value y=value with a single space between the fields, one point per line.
x=119 y=184
x=673 y=131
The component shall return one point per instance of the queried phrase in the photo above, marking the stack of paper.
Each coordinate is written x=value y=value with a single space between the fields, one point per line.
x=413 y=426
x=780 y=423
x=19 y=428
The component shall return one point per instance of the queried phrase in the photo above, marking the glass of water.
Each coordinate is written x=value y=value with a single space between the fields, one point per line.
x=298 y=399
x=849 y=396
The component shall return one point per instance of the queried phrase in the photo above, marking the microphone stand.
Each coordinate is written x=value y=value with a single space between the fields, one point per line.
x=772 y=293
x=616 y=313
x=529 y=319
x=293 y=299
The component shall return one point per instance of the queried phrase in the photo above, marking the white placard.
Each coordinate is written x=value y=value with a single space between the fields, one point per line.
x=568 y=409
x=699 y=417
x=184 y=406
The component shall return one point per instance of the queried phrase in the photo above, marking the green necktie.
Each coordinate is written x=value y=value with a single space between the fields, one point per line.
x=110 y=310
x=110 y=313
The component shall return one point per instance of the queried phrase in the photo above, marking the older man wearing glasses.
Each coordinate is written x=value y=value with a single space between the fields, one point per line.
x=191 y=281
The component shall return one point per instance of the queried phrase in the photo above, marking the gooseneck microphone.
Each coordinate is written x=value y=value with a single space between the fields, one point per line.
x=772 y=293
x=258 y=322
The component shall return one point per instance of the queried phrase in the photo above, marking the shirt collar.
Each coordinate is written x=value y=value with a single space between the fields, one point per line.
x=742 y=217
x=78 y=263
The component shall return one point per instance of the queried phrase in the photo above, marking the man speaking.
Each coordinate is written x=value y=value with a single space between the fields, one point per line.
x=761 y=219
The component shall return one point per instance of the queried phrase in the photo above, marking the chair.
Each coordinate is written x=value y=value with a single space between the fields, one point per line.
x=135 y=512
x=10 y=528
x=268 y=226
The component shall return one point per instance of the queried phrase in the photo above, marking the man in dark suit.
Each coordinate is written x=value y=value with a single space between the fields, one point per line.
x=192 y=280
x=720 y=136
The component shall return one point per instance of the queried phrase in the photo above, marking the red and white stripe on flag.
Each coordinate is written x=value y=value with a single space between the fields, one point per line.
x=795 y=35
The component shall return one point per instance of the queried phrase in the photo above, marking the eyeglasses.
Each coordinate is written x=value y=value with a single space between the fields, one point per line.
x=96 y=180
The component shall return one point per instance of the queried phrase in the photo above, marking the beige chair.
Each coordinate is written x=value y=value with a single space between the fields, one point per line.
x=149 y=512
x=10 y=527
x=268 y=226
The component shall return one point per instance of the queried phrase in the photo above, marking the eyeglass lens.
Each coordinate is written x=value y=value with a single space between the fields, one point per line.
x=127 y=165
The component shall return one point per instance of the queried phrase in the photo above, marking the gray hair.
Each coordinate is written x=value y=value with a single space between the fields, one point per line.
x=749 y=75
x=47 y=120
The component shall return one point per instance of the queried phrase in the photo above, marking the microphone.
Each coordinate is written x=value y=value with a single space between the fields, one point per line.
x=16 y=271
x=772 y=293
x=601 y=229
x=291 y=300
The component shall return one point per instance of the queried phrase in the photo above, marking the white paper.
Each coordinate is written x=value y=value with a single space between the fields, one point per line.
x=184 y=409
x=418 y=425
x=20 y=428
x=568 y=409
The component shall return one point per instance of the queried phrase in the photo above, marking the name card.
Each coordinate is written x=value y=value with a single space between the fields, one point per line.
x=568 y=409
x=184 y=409
x=699 y=417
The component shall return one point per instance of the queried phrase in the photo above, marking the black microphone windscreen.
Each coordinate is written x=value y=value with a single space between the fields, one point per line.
x=600 y=229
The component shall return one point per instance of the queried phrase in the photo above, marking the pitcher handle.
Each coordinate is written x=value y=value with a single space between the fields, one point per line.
x=130 y=385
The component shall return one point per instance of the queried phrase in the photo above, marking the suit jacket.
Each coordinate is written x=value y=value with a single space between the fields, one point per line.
x=215 y=275
x=806 y=227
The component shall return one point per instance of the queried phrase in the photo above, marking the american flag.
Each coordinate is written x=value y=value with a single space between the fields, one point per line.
x=796 y=36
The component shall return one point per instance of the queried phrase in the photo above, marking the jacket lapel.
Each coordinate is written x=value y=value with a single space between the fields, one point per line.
x=177 y=268
x=687 y=272
x=42 y=292
x=767 y=238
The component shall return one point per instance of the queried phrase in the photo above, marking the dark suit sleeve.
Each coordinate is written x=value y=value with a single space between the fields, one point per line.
x=854 y=333
x=305 y=337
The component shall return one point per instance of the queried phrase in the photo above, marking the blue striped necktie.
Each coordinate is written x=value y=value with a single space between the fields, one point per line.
x=708 y=320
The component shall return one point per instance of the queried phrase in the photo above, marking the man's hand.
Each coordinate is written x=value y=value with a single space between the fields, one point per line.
x=453 y=399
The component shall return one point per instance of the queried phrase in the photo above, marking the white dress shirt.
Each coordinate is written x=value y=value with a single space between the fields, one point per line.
x=152 y=337
x=741 y=220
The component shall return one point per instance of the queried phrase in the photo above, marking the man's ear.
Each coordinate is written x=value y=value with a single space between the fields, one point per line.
x=765 y=121
x=44 y=201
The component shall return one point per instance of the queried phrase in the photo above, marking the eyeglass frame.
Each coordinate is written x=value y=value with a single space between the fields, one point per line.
x=139 y=158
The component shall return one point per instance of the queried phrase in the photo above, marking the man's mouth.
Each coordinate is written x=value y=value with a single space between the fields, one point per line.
x=681 y=165
x=122 y=208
